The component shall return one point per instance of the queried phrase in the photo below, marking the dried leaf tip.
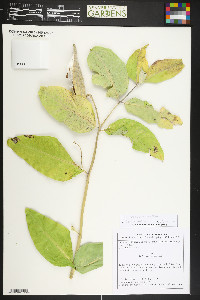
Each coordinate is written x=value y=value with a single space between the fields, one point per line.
x=157 y=153
x=75 y=52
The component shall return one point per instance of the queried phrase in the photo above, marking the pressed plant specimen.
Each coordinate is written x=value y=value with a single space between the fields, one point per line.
x=78 y=111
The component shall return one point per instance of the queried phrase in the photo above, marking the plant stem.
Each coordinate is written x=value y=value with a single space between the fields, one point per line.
x=90 y=169
x=84 y=198
x=89 y=95
x=119 y=102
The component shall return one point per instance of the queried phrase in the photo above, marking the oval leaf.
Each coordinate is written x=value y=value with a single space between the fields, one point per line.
x=50 y=238
x=110 y=71
x=46 y=155
x=141 y=137
x=146 y=112
x=89 y=257
x=164 y=69
x=137 y=65
x=73 y=110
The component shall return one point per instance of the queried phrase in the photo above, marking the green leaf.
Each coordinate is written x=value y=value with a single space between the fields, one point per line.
x=75 y=76
x=164 y=69
x=46 y=155
x=110 y=71
x=89 y=257
x=50 y=238
x=141 y=137
x=146 y=112
x=137 y=65
x=74 y=111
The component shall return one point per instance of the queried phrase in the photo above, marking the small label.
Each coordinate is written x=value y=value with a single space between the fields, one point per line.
x=19 y=291
x=30 y=54
x=107 y=11
x=129 y=221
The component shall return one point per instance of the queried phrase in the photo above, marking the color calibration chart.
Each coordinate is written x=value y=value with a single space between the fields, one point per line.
x=178 y=13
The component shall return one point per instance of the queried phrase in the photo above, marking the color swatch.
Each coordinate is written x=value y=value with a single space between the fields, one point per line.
x=178 y=13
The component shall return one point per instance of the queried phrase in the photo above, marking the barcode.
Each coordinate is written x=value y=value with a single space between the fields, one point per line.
x=43 y=12
x=19 y=291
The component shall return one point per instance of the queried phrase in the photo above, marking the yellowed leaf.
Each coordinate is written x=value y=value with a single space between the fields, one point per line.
x=137 y=65
x=164 y=69
x=146 y=112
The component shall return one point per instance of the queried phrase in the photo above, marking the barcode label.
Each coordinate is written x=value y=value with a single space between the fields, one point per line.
x=18 y=291
x=28 y=12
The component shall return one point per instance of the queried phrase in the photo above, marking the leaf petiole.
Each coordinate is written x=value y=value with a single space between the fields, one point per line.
x=119 y=102
x=72 y=228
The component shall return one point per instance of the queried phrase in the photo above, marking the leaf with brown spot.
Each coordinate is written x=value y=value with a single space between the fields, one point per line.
x=74 y=111
x=141 y=137
x=146 y=112
x=165 y=69
x=46 y=155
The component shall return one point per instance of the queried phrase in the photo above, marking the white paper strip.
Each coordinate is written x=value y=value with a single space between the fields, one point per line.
x=178 y=17
x=129 y=221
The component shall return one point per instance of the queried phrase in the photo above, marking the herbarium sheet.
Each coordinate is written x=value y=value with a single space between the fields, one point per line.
x=99 y=134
